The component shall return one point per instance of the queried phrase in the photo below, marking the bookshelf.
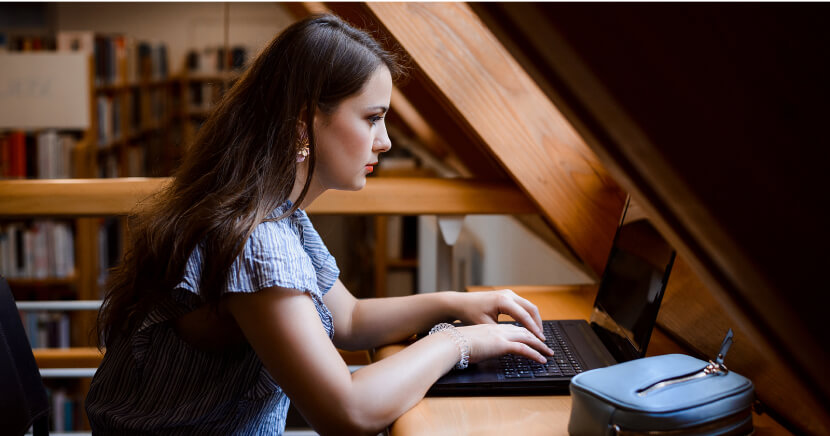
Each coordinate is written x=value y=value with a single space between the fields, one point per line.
x=49 y=257
x=199 y=93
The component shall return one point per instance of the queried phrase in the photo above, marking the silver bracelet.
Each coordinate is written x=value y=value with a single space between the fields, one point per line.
x=460 y=340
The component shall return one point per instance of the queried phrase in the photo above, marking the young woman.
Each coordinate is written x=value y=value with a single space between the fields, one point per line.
x=227 y=302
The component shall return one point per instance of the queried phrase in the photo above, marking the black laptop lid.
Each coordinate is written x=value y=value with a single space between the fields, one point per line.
x=632 y=287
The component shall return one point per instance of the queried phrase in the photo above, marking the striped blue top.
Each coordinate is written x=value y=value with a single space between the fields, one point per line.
x=154 y=382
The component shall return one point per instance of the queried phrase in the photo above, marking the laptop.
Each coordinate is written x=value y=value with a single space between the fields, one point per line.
x=622 y=319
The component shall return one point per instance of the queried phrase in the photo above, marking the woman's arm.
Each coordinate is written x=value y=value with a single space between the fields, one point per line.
x=283 y=327
x=368 y=323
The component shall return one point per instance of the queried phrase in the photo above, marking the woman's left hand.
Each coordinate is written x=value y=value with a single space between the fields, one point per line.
x=485 y=307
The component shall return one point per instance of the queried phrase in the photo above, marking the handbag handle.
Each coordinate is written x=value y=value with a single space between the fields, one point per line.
x=724 y=347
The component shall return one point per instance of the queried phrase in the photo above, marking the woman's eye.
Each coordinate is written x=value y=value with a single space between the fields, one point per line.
x=374 y=119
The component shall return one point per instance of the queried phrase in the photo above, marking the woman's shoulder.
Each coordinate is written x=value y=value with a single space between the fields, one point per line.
x=276 y=225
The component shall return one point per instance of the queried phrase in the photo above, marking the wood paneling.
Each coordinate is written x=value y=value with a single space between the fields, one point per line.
x=693 y=315
x=494 y=98
x=709 y=114
x=395 y=196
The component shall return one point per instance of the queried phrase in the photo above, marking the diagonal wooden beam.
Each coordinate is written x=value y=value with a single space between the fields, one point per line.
x=688 y=110
x=459 y=140
x=500 y=103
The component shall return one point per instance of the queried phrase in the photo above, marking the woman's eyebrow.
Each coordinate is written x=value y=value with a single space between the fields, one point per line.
x=381 y=108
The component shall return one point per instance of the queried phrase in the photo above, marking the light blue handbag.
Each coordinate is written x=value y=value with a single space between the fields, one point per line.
x=663 y=395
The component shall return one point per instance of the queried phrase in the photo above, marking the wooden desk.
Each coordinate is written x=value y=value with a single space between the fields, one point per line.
x=525 y=415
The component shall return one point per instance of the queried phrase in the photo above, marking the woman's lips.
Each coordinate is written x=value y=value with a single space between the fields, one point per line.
x=371 y=167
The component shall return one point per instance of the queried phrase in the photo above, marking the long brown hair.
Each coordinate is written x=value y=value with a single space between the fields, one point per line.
x=241 y=166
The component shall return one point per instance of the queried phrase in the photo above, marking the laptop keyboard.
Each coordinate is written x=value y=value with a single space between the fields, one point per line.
x=563 y=362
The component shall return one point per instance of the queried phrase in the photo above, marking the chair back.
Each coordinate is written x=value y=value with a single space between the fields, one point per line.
x=23 y=401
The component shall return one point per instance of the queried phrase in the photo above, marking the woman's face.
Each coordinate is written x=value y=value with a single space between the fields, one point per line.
x=350 y=139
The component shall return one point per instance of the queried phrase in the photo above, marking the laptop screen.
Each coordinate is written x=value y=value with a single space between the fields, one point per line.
x=632 y=287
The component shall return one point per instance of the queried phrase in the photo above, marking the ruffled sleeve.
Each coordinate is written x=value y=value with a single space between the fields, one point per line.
x=325 y=266
x=272 y=256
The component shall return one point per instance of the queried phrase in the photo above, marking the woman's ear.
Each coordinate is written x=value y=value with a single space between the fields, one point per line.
x=302 y=123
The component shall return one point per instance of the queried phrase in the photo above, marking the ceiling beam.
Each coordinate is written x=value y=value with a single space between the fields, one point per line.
x=494 y=98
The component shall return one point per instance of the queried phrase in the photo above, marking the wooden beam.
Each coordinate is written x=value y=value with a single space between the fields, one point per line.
x=75 y=197
x=496 y=99
x=699 y=318
x=713 y=122
x=394 y=196
x=90 y=357
x=422 y=94
x=78 y=357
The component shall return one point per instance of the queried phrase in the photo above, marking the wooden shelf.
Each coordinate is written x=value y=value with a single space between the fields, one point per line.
x=404 y=172
x=47 y=282
x=214 y=77
x=123 y=87
x=402 y=263
x=79 y=357
x=381 y=196
x=112 y=146
x=90 y=357
x=131 y=137
x=198 y=113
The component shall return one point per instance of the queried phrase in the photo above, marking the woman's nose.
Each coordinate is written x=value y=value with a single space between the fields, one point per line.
x=382 y=143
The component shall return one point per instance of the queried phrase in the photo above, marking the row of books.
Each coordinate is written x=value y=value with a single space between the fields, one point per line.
x=203 y=95
x=46 y=329
x=109 y=248
x=148 y=156
x=18 y=43
x=212 y=60
x=43 y=155
x=119 y=59
x=67 y=412
x=143 y=110
x=109 y=120
x=39 y=249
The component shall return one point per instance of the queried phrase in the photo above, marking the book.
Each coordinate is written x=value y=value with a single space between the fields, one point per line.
x=40 y=249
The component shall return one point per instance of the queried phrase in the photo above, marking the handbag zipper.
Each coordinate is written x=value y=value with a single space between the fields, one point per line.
x=711 y=369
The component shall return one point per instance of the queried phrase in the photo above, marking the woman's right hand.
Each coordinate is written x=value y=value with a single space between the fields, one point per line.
x=493 y=340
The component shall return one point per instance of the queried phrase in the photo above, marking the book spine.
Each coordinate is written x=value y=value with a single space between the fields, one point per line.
x=32 y=319
x=5 y=253
x=63 y=331
x=58 y=410
x=17 y=146
x=42 y=330
x=5 y=157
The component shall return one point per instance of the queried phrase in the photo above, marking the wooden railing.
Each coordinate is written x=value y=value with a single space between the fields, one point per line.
x=404 y=196
x=107 y=197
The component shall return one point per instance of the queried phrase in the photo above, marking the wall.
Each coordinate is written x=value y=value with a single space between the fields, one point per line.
x=182 y=26
x=494 y=250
